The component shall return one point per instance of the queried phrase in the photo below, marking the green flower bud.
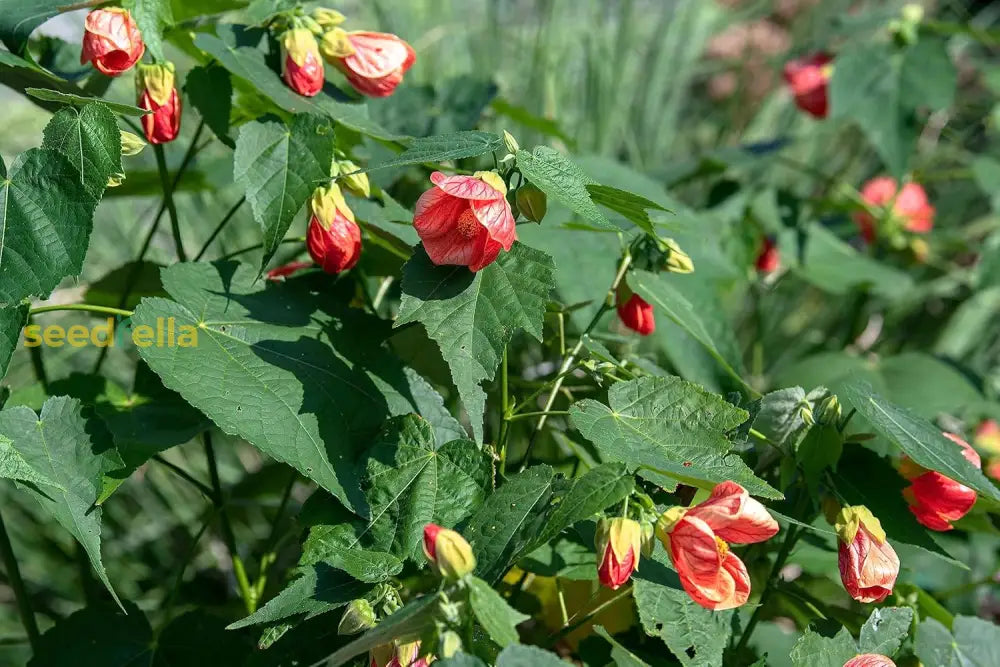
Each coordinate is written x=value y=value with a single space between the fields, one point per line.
x=676 y=260
x=510 y=142
x=531 y=202
x=132 y=144
x=648 y=540
x=358 y=616
x=449 y=644
x=349 y=176
x=328 y=19
x=448 y=552
x=828 y=411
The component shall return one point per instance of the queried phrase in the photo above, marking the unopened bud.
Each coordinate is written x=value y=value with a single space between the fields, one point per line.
x=920 y=249
x=448 y=552
x=328 y=19
x=531 y=202
x=358 y=616
x=510 y=142
x=449 y=644
x=913 y=13
x=114 y=180
x=351 y=178
x=132 y=144
x=829 y=410
x=806 y=413
x=676 y=260
x=648 y=540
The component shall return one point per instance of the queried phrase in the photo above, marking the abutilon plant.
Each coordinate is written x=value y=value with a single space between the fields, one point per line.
x=112 y=42
x=868 y=563
x=157 y=93
x=373 y=62
x=934 y=499
x=333 y=237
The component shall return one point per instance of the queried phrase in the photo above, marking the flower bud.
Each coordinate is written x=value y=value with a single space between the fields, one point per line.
x=301 y=66
x=328 y=19
x=510 y=142
x=156 y=93
x=870 y=660
x=936 y=500
x=449 y=643
x=618 y=544
x=333 y=238
x=807 y=415
x=448 y=552
x=355 y=181
x=676 y=260
x=828 y=411
x=635 y=312
x=112 y=42
x=648 y=540
x=531 y=202
x=868 y=563
x=358 y=616
x=768 y=258
x=116 y=179
x=132 y=144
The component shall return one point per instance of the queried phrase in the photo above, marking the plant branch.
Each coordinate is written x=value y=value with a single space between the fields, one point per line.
x=168 y=199
x=589 y=615
x=186 y=476
x=88 y=307
x=218 y=228
x=17 y=585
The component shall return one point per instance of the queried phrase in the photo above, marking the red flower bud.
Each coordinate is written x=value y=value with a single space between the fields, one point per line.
x=333 y=238
x=868 y=563
x=807 y=79
x=111 y=41
x=465 y=220
x=373 y=62
x=156 y=92
x=301 y=66
x=635 y=312
x=937 y=500
x=870 y=660
x=911 y=209
x=619 y=543
x=448 y=552
x=769 y=259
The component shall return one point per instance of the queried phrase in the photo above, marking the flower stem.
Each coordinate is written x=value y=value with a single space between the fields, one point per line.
x=17 y=585
x=218 y=228
x=186 y=476
x=505 y=412
x=87 y=307
x=168 y=198
x=589 y=615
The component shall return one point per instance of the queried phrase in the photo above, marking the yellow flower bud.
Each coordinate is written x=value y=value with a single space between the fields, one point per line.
x=448 y=552
x=132 y=144
x=356 y=182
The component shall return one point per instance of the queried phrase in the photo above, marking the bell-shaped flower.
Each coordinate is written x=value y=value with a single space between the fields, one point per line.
x=868 y=563
x=910 y=208
x=937 y=500
x=301 y=66
x=619 y=543
x=448 y=552
x=634 y=311
x=333 y=238
x=157 y=93
x=373 y=62
x=112 y=42
x=808 y=79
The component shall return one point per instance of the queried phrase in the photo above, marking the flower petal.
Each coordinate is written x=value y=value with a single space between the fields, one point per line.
x=694 y=551
x=734 y=516
x=377 y=54
x=465 y=187
x=496 y=216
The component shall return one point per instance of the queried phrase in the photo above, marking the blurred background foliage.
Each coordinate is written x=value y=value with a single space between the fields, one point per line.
x=678 y=100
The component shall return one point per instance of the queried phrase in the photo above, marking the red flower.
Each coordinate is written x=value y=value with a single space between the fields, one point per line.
x=156 y=93
x=287 y=270
x=870 y=660
x=868 y=563
x=301 y=66
x=937 y=500
x=618 y=542
x=333 y=238
x=769 y=258
x=465 y=220
x=111 y=41
x=698 y=538
x=911 y=209
x=635 y=312
x=808 y=78
x=373 y=62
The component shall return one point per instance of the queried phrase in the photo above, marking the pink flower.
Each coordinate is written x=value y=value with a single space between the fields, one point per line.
x=911 y=209
x=301 y=66
x=807 y=78
x=635 y=312
x=618 y=543
x=870 y=660
x=937 y=500
x=333 y=238
x=698 y=538
x=111 y=41
x=769 y=258
x=465 y=220
x=868 y=563
x=156 y=93
x=373 y=62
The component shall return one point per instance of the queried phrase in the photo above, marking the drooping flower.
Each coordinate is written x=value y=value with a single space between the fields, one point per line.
x=618 y=542
x=769 y=258
x=301 y=66
x=333 y=238
x=112 y=42
x=808 y=78
x=937 y=500
x=698 y=538
x=635 y=312
x=870 y=660
x=157 y=93
x=448 y=552
x=373 y=62
x=911 y=210
x=465 y=220
x=868 y=563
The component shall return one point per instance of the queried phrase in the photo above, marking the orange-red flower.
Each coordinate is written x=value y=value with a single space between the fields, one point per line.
x=808 y=78
x=911 y=210
x=333 y=238
x=287 y=270
x=870 y=660
x=111 y=41
x=618 y=542
x=868 y=563
x=769 y=258
x=301 y=65
x=465 y=220
x=373 y=62
x=698 y=538
x=937 y=500
x=156 y=93
x=635 y=312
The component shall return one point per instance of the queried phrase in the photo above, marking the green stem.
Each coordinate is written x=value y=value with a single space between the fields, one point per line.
x=38 y=365
x=270 y=554
x=218 y=228
x=589 y=615
x=505 y=412
x=88 y=307
x=168 y=604
x=525 y=415
x=186 y=476
x=17 y=585
x=168 y=198
x=258 y=246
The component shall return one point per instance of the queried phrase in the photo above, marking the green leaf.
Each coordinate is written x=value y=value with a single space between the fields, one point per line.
x=99 y=635
x=780 y=418
x=313 y=393
x=461 y=660
x=89 y=137
x=248 y=64
x=621 y=655
x=83 y=100
x=63 y=446
x=563 y=181
x=210 y=90
x=528 y=656
x=443 y=147
x=497 y=617
x=669 y=430
x=14 y=466
x=152 y=17
x=505 y=525
x=815 y=650
x=597 y=489
x=666 y=299
x=885 y=630
x=143 y=277
x=634 y=207
x=260 y=11
x=973 y=642
x=280 y=167
x=12 y=320
x=20 y=17
x=412 y=619
x=695 y=635
x=472 y=316
x=45 y=224
x=919 y=439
